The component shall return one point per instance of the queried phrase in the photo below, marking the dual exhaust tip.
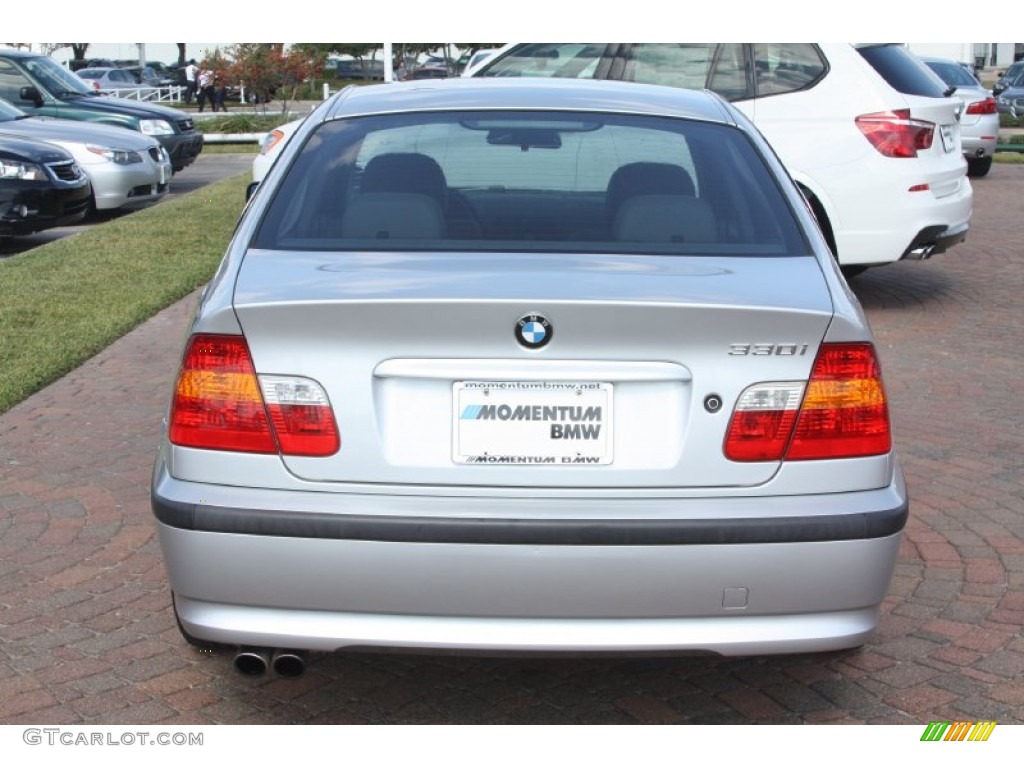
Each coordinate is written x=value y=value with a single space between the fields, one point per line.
x=254 y=662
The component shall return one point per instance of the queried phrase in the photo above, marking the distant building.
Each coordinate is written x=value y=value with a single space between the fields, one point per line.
x=978 y=55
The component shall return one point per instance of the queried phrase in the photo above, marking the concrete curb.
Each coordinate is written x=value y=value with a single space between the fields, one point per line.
x=233 y=138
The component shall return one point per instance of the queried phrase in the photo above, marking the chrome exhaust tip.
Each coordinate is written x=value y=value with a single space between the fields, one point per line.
x=919 y=254
x=252 y=662
x=289 y=663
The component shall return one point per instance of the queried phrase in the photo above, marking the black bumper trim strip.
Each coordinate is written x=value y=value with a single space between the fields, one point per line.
x=449 y=530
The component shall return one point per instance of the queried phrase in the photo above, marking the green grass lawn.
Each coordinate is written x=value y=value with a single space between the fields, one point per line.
x=67 y=300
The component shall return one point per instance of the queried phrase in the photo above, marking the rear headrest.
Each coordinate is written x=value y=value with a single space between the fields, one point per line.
x=647 y=179
x=405 y=172
x=392 y=216
x=665 y=219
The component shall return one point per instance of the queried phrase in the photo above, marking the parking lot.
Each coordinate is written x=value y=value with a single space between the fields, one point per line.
x=87 y=634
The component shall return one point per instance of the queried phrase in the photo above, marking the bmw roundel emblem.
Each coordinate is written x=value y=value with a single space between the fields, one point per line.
x=534 y=331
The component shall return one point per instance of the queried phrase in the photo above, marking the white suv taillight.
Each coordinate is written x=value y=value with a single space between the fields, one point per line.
x=221 y=404
x=895 y=133
x=841 y=412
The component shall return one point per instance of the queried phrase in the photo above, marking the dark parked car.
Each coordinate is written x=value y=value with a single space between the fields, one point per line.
x=41 y=186
x=77 y=64
x=1010 y=100
x=356 y=69
x=428 y=72
x=1007 y=77
x=40 y=86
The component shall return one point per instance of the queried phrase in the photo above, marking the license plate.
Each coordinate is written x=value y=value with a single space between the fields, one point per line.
x=532 y=423
x=948 y=140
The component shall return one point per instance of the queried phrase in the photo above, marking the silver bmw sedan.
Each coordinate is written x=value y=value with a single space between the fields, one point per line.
x=527 y=365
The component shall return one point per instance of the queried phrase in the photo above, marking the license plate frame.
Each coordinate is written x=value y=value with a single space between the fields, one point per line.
x=948 y=139
x=533 y=423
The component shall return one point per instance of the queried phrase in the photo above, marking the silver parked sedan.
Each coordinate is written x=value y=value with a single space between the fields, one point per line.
x=527 y=365
x=979 y=116
x=127 y=169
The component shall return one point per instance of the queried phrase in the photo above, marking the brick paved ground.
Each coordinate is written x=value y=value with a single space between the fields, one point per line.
x=87 y=635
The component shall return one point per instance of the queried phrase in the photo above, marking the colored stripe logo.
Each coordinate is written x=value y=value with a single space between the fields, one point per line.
x=958 y=730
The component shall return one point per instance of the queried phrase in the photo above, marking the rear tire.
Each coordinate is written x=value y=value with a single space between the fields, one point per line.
x=819 y=213
x=979 y=166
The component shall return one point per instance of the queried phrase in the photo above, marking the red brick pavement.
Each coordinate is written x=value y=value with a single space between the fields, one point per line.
x=87 y=634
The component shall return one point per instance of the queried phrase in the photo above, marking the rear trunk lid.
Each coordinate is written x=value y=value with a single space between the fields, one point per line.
x=429 y=384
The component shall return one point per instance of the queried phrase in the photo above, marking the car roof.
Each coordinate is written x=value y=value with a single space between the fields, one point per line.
x=943 y=60
x=16 y=53
x=530 y=93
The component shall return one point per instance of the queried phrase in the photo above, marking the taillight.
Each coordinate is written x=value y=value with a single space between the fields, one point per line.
x=895 y=133
x=221 y=404
x=986 y=107
x=840 y=413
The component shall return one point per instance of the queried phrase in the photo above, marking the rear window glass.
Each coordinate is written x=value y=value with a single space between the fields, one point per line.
x=903 y=71
x=550 y=60
x=681 y=65
x=786 y=67
x=952 y=73
x=529 y=181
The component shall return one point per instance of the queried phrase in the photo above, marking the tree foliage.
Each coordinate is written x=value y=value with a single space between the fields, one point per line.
x=268 y=71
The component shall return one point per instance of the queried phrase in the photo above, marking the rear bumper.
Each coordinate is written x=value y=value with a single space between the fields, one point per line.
x=931 y=241
x=726 y=576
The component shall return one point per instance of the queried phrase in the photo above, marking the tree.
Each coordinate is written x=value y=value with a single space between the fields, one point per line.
x=79 y=50
x=267 y=71
x=181 y=54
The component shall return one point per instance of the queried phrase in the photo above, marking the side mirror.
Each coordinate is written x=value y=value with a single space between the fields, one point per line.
x=31 y=93
x=251 y=190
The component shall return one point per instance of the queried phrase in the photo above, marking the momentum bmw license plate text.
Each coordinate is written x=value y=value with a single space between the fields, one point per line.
x=532 y=422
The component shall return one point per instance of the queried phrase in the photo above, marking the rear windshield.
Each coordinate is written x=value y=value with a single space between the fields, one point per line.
x=903 y=71
x=530 y=181
x=953 y=73
x=551 y=60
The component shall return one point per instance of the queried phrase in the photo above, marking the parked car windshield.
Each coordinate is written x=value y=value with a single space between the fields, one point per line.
x=530 y=181
x=57 y=80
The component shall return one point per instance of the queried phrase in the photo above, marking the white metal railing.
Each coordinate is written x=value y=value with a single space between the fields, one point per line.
x=147 y=93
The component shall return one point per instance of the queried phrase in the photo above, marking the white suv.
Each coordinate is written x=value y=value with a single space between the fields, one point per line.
x=865 y=131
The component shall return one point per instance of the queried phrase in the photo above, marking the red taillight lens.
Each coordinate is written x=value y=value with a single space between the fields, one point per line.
x=219 y=405
x=843 y=413
x=986 y=107
x=301 y=416
x=763 y=420
x=895 y=134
